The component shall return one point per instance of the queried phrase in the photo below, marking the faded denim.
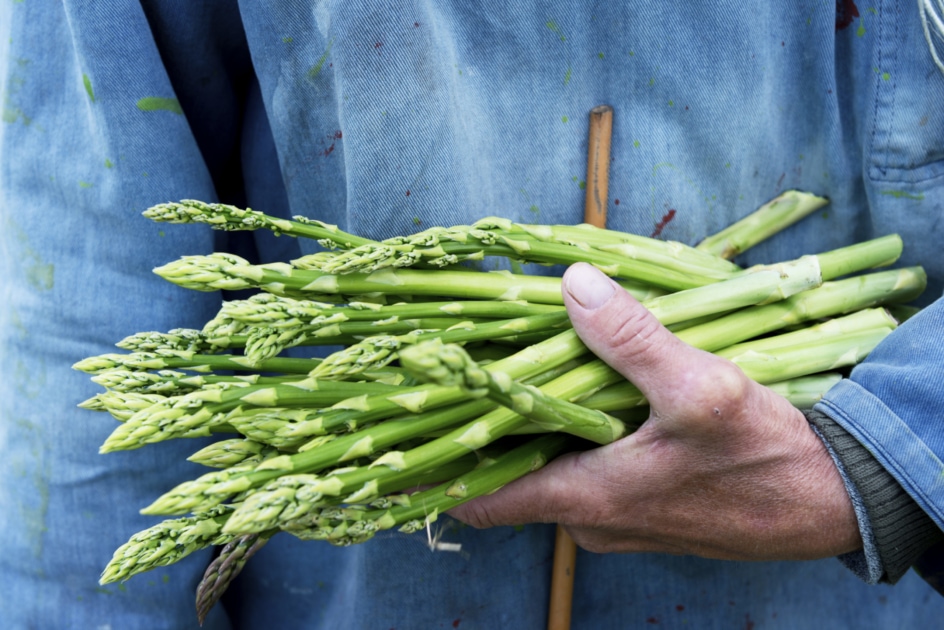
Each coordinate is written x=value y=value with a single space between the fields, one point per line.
x=388 y=117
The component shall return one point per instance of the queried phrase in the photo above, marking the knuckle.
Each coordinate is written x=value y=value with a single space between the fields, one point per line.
x=636 y=334
x=475 y=514
x=717 y=389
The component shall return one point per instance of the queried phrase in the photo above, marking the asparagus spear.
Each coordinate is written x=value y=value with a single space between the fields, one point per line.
x=449 y=364
x=223 y=570
x=774 y=216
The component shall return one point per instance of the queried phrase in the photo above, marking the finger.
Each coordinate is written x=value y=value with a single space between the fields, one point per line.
x=543 y=496
x=622 y=332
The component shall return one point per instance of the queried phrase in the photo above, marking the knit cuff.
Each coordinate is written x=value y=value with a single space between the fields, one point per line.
x=900 y=530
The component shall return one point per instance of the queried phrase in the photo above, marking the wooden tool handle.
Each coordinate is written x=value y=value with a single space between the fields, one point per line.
x=598 y=178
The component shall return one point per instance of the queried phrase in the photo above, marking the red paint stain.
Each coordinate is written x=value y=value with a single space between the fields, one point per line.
x=378 y=45
x=652 y=620
x=616 y=201
x=679 y=607
x=408 y=193
x=416 y=24
x=337 y=135
x=666 y=219
x=455 y=624
x=846 y=12
x=748 y=622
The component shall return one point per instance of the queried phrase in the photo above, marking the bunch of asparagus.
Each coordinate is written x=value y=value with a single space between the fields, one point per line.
x=449 y=378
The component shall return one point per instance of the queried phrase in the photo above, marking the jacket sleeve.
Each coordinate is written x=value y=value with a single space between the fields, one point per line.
x=891 y=405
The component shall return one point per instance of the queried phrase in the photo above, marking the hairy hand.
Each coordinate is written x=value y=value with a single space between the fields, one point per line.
x=723 y=467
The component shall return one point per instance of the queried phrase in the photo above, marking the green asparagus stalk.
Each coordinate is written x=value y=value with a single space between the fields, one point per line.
x=224 y=568
x=225 y=271
x=166 y=543
x=803 y=392
x=376 y=352
x=221 y=216
x=806 y=391
x=445 y=247
x=354 y=525
x=203 y=363
x=829 y=300
x=266 y=309
x=584 y=236
x=856 y=322
x=232 y=452
x=774 y=216
x=449 y=364
x=195 y=413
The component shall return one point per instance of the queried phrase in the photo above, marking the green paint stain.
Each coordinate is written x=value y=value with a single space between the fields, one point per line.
x=825 y=214
x=901 y=194
x=40 y=276
x=600 y=55
x=632 y=53
x=287 y=40
x=886 y=76
x=160 y=233
x=315 y=70
x=108 y=163
x=14 y=114
x=534 y=209
x=652 y=81
x=582 y=185
x=84 y=184
x=160 y=103
x=416 y=221
x=88 y=87
x=727 y=165
x=556 y=30
x=671 y=103
x=165 y=578
x=861 y=30
x=636 y=144
x=564 y=119
x=567 y=76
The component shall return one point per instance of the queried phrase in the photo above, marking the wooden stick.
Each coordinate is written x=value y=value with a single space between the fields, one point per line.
x=598 y=165
x=562 y=581
x=595 y=204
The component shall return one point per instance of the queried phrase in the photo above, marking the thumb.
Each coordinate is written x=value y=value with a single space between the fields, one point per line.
x=622 y=332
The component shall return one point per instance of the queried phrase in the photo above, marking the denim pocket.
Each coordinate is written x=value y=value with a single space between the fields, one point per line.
x=906 y=141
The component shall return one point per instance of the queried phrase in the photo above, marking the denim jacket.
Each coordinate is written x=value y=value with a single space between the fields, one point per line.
x=385 y=118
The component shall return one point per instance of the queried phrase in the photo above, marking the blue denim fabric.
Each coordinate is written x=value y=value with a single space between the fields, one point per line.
x=385 y=120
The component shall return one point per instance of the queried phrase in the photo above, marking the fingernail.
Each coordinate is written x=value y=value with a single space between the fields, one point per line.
x=589 y=286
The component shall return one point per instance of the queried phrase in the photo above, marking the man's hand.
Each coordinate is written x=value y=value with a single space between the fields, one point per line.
x=723 y=467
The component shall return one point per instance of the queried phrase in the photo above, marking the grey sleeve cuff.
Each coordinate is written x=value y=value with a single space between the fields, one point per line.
x=895 y=530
